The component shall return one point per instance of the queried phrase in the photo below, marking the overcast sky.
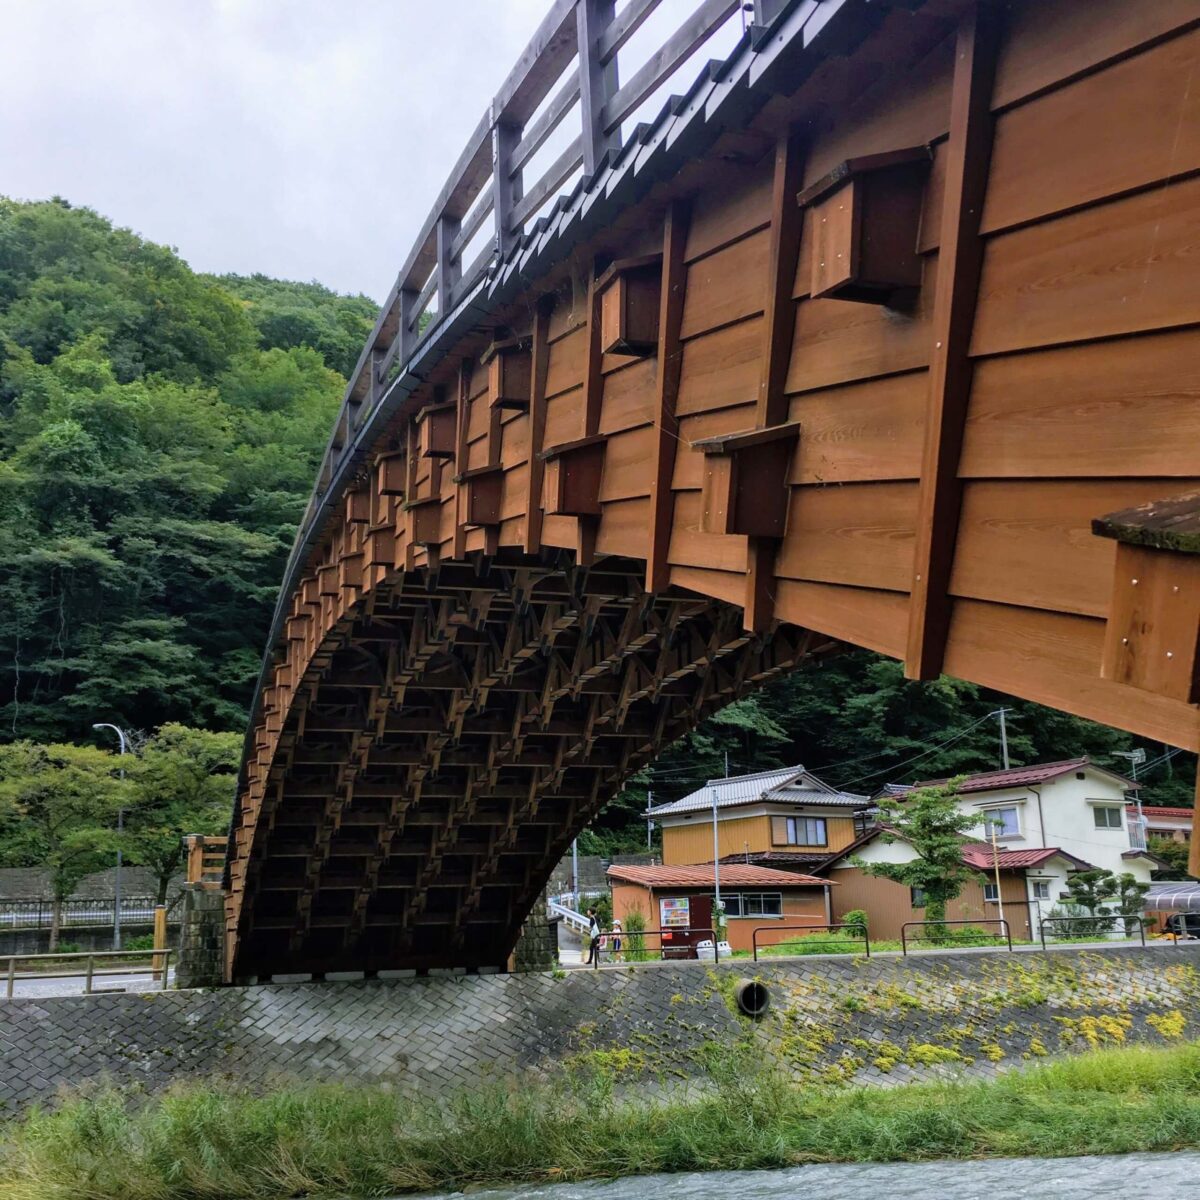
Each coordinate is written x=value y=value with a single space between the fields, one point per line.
x=306 y=139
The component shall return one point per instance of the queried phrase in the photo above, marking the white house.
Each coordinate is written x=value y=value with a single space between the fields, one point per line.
x=1075 y=806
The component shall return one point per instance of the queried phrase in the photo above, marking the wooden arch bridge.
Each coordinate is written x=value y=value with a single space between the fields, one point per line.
x=881 y=329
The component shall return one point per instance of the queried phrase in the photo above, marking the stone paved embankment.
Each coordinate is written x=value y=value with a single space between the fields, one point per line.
x=833 y=1019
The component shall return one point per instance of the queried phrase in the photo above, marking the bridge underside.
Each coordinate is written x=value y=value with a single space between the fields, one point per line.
x=460 y=729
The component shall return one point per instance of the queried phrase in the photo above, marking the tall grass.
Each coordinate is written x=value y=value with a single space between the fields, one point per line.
x=201 y=1142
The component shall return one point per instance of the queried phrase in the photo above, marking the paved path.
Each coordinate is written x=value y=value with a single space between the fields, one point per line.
x=1097 y=1178
x=38 y=988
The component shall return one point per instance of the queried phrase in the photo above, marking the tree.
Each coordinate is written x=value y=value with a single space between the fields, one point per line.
x=930 y=821
x=1090 y=891
x=183 y=781
x=1130 y=897
x=1173 y=853
x=61 y=803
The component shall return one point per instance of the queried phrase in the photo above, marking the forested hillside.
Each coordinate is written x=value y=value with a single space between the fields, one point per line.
x=159 y=433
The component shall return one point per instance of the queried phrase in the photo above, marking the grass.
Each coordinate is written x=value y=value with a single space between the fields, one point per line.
x=201 y=1142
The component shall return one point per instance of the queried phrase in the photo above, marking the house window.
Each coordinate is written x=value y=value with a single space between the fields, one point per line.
x=1041 y=889
x=1107 y=816
x=916 y=897
x=991 y=893
x=1005 y=821
x=753 y=904
x=802 y=831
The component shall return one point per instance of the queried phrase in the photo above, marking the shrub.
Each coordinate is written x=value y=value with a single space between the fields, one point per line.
x=856 y=916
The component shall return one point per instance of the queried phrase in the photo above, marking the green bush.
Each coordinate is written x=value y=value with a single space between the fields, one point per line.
x=856 y=916
x=67 y=948
x=144 y=941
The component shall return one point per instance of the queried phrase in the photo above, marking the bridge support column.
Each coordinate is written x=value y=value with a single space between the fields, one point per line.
x=201 y=960
x=537 y=947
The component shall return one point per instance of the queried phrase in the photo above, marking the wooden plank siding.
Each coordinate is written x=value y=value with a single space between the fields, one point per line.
x=692 y=843
x=889 y=904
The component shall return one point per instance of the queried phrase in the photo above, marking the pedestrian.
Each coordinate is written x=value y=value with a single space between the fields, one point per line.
x=593 y=938
x=616 y=939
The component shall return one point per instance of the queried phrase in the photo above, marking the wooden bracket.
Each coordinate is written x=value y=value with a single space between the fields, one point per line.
x=572 y=477
x=510 y=365
x=745 y=480
x=630 y=293
x=358 y=506
x=485 y=490
x=1152 y=637
x=390 y=472
x=866 y=218
x=435 y=430
x=425 y=520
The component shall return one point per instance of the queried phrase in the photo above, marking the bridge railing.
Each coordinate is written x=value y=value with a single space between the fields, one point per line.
x=558 y=114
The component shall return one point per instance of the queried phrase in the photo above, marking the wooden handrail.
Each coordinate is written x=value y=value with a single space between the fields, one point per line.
x=568 y=71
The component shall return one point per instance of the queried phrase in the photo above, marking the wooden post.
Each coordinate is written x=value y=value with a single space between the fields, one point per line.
x=778 y=328
x=160 y=936
x=597 y=80
x=960 y=259
x=670 y=363
x=408 y=320
x=537 y=422
x=449 y=269
x=87 y=979
x=195 y=858
x=506 y=189
x=1194 y=846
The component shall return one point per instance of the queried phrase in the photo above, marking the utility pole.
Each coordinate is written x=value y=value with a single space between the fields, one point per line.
x=120 y=832
x=1003 y=739
x=716 y=854
x=996 y=868
x=649 y=823
x=575 y=874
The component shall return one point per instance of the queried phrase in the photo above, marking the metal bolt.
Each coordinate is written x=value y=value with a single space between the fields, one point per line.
x=1134 y=582
x=1170 y=653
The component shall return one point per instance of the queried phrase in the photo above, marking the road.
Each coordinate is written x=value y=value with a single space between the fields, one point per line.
x=1095 y=1178
x=33 y=989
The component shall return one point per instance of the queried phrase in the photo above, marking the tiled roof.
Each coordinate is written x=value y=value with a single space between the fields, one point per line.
x=975 y=854
x=732 y=876
x=1020 y=776
x=786 y=785
x=1155 y=810
x=782 y=860
x=979 y=854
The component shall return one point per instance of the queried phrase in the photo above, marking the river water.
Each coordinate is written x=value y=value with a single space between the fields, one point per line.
x=1173 y=1176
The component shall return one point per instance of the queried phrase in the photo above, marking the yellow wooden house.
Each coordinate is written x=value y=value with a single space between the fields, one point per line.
x=785 y=817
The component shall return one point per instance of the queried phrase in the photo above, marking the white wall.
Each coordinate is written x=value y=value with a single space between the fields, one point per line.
x=1066 y=811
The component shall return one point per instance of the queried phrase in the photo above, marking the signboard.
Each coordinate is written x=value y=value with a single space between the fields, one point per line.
x=675 y=913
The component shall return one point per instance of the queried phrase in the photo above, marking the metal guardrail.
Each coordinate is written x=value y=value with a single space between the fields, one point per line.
x=1101 y=919
x=38 y=913
x=662 y=934
x=862 y=939
x=947 y=942
x=159 y=968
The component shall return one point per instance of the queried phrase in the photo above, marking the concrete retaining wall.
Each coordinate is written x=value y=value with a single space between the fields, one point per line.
x=833 y=1019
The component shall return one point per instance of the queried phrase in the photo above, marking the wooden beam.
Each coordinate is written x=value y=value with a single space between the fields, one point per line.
x=960 y=259
x=771 y=405
x=537 y=422
x=666 y=392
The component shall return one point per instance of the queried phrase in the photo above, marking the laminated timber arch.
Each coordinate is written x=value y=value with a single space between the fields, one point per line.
x=882 y=333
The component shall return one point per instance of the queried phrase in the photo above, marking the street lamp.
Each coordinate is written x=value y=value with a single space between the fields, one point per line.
x=120 y=830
